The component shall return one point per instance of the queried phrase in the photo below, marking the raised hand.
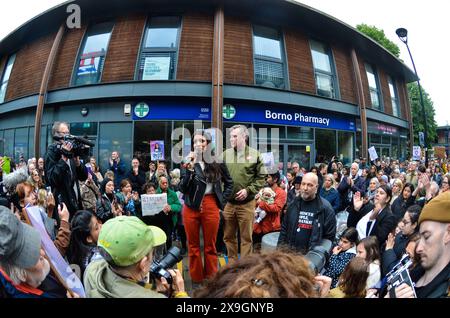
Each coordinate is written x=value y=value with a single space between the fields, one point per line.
x=357 y=201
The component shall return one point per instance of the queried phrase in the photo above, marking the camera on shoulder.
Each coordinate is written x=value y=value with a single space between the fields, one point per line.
x=80 y=146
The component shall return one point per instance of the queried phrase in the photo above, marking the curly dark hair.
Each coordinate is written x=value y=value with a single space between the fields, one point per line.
x=276 y=274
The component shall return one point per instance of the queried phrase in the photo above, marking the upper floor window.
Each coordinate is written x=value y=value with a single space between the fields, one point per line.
x=5 y=77
x=374 y=87
x=159 y=50
x=394 y=97
x=323 y=70
x=268 y=57
x=93 y=53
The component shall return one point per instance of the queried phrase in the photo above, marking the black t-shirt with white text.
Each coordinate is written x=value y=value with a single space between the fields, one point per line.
x=305 y=224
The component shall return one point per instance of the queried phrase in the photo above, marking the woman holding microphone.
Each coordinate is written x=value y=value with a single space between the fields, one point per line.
x=201 y=185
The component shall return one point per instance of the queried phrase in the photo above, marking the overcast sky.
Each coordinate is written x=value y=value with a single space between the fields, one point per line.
x=424 y=21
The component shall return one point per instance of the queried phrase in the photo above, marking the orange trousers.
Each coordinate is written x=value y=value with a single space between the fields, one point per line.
x=208 y=219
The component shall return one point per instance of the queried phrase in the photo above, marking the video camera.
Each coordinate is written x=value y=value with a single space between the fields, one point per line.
x=160 y=268
x=80 y=146
x=318 y=255
x=397 y=276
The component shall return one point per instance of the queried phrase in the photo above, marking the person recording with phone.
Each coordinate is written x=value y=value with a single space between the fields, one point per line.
x=63 y=169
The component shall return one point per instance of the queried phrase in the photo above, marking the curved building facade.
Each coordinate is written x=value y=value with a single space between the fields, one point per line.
x=136 y=70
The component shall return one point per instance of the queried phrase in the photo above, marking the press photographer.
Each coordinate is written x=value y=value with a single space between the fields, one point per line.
x=63 y=167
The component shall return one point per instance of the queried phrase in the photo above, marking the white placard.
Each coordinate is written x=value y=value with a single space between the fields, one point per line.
x=373 y=154
x=152 y=204
x=156 y=68
x=60 y=267
x=417 y=153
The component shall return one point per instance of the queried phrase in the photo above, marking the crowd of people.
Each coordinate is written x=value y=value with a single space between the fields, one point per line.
x=391 y=209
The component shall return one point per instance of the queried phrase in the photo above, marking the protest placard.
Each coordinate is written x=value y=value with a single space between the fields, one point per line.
x=157 y=150
x=417 y=153
x=373 y=154
x=59 y=266
x=153 y=203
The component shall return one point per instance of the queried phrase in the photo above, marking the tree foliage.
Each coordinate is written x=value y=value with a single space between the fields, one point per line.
x=418 y=116
x=378 y=36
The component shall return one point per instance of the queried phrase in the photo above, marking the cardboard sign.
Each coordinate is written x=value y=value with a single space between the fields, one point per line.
x=59 y=266
x=439 y=152
x=417 y=153
x=373 y=154
x=152 y=204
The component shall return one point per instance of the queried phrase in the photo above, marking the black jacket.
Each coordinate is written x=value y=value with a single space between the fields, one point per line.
x=193 y=186
x=324 y=226
x=399 y=206
x=137 y=182
x=62 y=179
x=385 y=222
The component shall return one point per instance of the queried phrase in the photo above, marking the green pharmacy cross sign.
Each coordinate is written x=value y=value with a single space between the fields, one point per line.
x=141 y=110
x=229 y=111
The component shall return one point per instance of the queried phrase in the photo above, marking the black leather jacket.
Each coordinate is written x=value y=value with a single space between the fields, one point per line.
x=193 y=186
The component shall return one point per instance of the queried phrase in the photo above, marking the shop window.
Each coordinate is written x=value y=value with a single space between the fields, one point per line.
x=9 y=143
x=21 y=144
x=157 y=132
x=43 y=144
x=93 y=53
x=324 y=71
x=374 y=87
x=5 y=77
x=300 y=133
x=375 y=139
x=394 y=97
x=114 y=137
x=386 y=140
x=345 y=147
x=325 y=145
x=268 y=57
x=2 y=143
x=159 y=51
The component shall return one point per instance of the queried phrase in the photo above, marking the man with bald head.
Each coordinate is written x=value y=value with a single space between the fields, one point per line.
x=309 y=219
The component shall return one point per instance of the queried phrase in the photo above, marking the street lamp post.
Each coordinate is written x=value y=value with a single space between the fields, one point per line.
x=403 y=36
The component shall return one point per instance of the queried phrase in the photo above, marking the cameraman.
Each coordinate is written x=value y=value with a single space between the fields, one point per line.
x=63 y=170
x=127 y=245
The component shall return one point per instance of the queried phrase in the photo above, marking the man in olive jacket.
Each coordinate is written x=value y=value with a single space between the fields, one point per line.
x=248 y=173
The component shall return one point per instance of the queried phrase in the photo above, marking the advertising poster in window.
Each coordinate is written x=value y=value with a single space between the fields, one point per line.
x=88 y=65
x=157 y=150
x=156 y=68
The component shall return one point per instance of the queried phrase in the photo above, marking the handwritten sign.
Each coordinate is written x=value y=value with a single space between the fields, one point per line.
x=152 y=204
x=58 y=265
x=373 y=154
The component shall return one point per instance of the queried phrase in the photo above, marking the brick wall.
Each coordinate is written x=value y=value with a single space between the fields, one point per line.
x=385 y=91
x=403 y=95
x=344 y=68
x=365 y=82
x=238 y=52
x=29 y=67
x=123 y=49
x=196 y=48
x=301 y=71
x=65 y=59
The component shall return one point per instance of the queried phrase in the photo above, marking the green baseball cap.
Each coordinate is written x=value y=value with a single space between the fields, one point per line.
x=127 y=239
